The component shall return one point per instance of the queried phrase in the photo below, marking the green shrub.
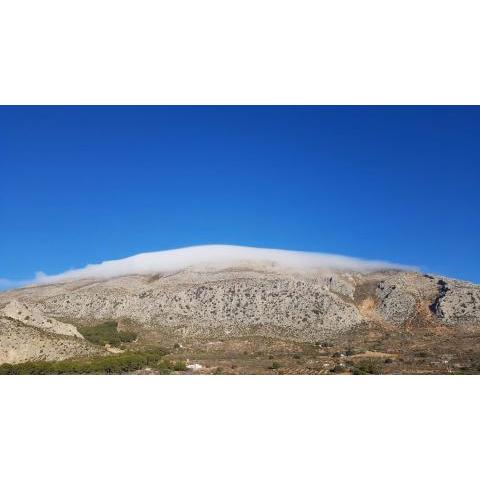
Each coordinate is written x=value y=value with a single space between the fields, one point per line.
x=366 y=368
x=180 y=366
x=164 y=367
x=127 y=336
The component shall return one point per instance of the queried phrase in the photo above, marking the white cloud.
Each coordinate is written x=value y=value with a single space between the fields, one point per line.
x=216 y=256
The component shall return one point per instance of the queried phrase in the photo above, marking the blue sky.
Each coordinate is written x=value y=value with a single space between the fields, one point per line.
x=86 y=184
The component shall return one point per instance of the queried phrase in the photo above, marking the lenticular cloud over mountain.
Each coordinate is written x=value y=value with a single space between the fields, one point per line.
x=218 y=257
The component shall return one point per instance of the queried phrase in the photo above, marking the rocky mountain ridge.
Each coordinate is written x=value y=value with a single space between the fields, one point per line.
x=234 y=302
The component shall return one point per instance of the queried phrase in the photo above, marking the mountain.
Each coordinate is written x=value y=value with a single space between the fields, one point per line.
x=212 y=295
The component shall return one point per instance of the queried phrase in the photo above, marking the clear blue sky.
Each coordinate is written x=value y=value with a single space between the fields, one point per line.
x=84 y=184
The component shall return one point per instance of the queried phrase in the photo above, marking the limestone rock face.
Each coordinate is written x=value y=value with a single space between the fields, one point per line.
x=458 y=302
x=406 y=296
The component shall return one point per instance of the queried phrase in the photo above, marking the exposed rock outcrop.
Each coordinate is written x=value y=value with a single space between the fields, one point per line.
x=31 y=316
x=20 y=343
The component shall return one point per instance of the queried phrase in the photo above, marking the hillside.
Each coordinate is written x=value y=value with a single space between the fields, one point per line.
x=201 y=304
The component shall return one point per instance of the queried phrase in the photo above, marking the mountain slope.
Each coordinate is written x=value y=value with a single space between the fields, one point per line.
x=241 y=299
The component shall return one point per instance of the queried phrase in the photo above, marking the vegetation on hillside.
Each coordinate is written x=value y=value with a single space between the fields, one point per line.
x=107 y=332
x=112 y=364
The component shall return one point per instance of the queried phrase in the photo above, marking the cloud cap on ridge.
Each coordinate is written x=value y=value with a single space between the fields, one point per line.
x=217 y=257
